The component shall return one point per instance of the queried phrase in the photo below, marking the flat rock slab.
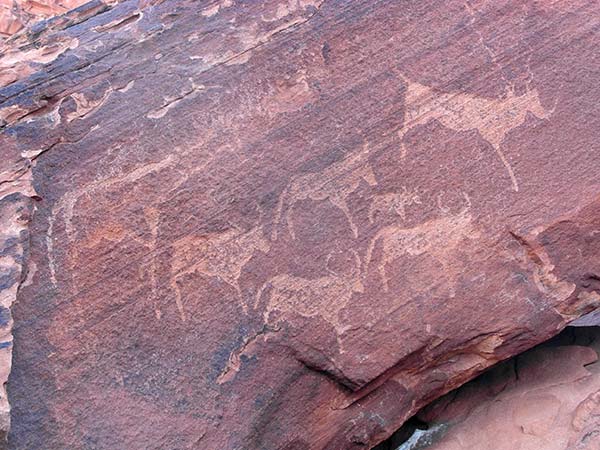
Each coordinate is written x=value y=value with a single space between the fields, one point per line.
x=288 y=225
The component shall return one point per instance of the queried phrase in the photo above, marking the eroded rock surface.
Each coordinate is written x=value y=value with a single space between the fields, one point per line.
x=547 y=398
x=16 y=14
x=289 y=224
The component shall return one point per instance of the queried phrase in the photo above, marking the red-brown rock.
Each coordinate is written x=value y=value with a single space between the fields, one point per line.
x=289 y=225
x=548 y=398
x=16 y=14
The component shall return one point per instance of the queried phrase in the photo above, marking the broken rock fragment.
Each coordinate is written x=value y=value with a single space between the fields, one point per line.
x=547 y=398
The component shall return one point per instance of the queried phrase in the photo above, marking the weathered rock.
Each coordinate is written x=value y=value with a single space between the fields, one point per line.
x=547 y=398
x=291 y=224
x=16 y=14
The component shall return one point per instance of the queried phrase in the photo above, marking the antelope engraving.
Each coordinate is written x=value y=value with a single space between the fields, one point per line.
x=393 y=202
x=438 y=238
x=493 y=118
x=222 y=255
x=335 y=183
x=325 y=296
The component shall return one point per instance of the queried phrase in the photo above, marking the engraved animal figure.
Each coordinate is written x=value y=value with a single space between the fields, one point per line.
x=393 y=202
x=109 y=230
x=222 y=255
x=493 y=118
x=438 y=238
x=325 y=296
x=335 y=183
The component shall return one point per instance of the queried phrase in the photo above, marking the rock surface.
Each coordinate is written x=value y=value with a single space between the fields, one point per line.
x=16 y=14
x=547 y=398
x=288 y=224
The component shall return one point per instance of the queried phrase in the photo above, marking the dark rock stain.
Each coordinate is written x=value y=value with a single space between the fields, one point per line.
x=326 y=52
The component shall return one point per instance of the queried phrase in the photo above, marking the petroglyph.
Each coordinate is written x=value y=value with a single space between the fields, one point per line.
x=65 y=209
x=67 y=203
x=335 y=184
x=222 y=255
x=325 y=296
x=289 y=7
x=152 y=216
x=438 y=238
x=212 y=10
x=494 y=119
x=393 y=203
x=252 y=34
x=290 y=94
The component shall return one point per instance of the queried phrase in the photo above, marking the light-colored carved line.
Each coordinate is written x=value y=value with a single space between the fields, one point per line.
x=508 y=167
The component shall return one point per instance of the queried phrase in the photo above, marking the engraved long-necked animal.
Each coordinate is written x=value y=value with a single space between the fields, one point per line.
x=393 y=203
x=438 y=238
x=334 y=183
x=222 y=255
x=493 y=118
x=324 y=296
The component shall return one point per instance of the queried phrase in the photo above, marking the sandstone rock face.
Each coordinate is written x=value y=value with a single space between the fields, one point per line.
x=15 y=14
x=548 y=398
x=288 y=224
